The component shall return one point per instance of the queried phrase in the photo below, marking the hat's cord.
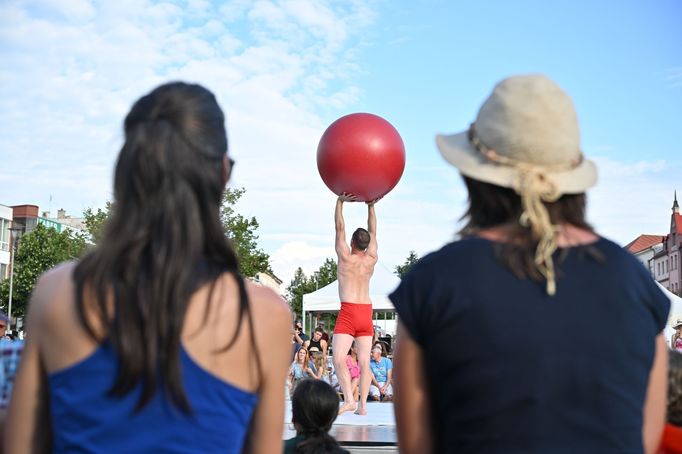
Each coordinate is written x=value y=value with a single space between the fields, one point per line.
x=534 y=187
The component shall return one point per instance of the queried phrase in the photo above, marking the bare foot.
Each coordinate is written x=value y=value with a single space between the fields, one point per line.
x=361 y=411
x=347 y=406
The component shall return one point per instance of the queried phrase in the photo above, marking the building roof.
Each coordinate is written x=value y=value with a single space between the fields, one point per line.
x=677 y=217
x=644 y=241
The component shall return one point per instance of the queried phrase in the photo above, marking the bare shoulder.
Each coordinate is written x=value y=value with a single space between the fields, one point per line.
x=268 y=307
x=53 y=291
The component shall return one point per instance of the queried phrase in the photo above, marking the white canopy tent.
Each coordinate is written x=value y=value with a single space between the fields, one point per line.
x=326 y=299
x=675 y=312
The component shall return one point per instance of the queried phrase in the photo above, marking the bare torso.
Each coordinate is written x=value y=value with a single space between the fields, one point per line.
x=354 y=272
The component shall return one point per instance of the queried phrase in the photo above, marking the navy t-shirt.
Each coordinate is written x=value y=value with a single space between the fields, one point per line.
x=512 y=369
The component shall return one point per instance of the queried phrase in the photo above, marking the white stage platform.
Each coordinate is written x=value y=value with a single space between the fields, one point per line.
x=377 y=428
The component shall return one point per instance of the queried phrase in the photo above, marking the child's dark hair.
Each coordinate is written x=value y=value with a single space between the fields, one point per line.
x=315 y=406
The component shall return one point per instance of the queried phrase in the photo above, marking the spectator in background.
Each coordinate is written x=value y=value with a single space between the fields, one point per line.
x=382 y=376
x=314 y=407
x=300 y=369
x=325 y=336
x=676 y=339
x=672 y=435
x=354 y=370
x=4 y=326
x=298 y=337
x=383 y=347
x=10 y=354
x=317 y=341
x=321 y=368
x=377 y=335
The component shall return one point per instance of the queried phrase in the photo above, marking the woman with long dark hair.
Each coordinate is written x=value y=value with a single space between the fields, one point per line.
x=148 y=343
x=531 y=333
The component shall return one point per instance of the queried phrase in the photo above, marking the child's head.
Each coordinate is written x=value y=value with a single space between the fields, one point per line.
x=314 y=407
x=320 y=362
x=675 y=389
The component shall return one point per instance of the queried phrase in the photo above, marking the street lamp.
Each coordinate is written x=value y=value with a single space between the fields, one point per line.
x=16 y=233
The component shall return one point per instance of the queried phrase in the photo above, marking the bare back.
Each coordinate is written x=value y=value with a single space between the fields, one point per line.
x=354 y=272
x=355 y=266
x=57 y=341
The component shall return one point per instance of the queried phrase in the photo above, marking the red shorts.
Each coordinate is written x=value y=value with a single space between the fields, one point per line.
x=355 y=319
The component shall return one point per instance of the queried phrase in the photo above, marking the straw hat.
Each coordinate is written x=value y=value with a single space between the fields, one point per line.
x=527 y=121
x=526 y=137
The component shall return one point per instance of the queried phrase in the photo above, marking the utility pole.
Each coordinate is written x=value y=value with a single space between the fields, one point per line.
x=15 y=243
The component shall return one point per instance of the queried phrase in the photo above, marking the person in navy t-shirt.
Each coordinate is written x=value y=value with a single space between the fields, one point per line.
x=531 y=333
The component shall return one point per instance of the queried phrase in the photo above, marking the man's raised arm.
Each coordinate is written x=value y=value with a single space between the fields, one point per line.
x=372 y=229
x=340 y=245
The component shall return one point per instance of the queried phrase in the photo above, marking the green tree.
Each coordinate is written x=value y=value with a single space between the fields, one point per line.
x=299 y=286
x=401 y=270
x=302 y=284
x=94 y=221
x=242 y=232
x=37 y=252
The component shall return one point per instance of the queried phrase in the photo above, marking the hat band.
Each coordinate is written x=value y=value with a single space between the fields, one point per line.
x=491 y=155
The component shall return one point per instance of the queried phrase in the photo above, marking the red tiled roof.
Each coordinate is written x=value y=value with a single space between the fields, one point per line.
x=645 y=241
x=678 y=222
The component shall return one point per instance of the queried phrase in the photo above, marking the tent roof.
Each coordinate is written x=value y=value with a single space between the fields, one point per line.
x=381 y=284
x=675 y=311
x=675 y=305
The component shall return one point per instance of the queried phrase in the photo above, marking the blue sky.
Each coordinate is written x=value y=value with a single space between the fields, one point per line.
x=284 y=70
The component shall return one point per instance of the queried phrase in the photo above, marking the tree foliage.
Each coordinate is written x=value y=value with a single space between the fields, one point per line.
x=401 y=270
x=240 y=230
x=94 y=221
x=37 y=252
x=302 y=284
x=242 y=233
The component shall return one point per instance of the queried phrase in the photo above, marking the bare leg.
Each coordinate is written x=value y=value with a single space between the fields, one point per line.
x=341 y=344
x=356 y=389
x=364 y=345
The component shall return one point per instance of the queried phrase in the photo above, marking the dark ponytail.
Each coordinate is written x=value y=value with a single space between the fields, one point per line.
x=163 y=229
x=314 y=408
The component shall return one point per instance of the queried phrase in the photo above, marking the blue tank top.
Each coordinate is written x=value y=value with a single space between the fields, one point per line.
x=85 y=419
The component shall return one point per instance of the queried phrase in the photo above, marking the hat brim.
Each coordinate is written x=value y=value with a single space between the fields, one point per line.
x=458 y=151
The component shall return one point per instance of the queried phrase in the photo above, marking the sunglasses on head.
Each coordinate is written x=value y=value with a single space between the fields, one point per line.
x=229 y=171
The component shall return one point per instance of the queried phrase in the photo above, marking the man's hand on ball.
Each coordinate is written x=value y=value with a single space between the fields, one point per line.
x=348 y=197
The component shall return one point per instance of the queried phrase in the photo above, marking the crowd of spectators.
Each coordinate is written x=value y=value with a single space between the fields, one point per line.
x=312 y=360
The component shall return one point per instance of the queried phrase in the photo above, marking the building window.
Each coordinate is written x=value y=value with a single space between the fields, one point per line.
x=3 y=271
x=4 y=234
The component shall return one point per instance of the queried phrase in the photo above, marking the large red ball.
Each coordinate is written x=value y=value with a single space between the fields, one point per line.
x=361 y=154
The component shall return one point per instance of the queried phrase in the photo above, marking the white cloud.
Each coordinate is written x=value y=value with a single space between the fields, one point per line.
x=76 y=67
x=632 y=198
x=295 y=254
x=71 y=70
